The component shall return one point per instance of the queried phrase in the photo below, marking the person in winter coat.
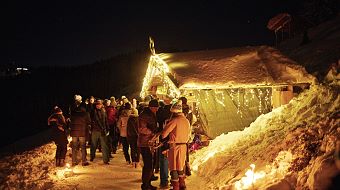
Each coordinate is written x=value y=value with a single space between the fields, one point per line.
x=89 y=109
x=132 y=136
x=178 y=129
x=122 y=125
x=163 y=114
x=99 y=132
x=147 y=129
x=80 y=122
x=111 y=113
x=58 y=123
x=192 y=120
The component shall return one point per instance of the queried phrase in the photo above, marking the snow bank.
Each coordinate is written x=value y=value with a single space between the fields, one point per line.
x=29 y=170
x=307 y=128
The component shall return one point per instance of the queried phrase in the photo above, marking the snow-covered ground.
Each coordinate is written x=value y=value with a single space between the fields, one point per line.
x=35 y=170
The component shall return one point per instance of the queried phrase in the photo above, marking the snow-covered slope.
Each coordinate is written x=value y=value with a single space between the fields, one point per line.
x=289 y=146
x=29 y=170
x=322 y=50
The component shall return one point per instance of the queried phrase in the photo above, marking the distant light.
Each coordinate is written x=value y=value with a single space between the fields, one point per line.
x=22 y=69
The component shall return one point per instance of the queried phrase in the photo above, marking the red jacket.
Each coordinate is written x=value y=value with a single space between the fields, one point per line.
x=111 y=115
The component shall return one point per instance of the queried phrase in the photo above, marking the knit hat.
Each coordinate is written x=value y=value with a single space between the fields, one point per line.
x=176 y=107
x=77 y=98
x=154 y=103
x=107 y=101
x=134 y=112
x=56 y=109
x=112 y=98
x=99 y=101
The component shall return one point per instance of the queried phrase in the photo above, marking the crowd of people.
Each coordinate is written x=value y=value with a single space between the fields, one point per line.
x=154 y=131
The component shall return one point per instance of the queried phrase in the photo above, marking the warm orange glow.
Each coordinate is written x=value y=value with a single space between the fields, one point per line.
x=251 y=177
x=276 y=170
x=66 y=172
x=176 y=65
x=164 y=56
x=69 y=139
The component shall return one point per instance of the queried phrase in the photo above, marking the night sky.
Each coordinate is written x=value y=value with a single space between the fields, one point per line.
x=82 y=32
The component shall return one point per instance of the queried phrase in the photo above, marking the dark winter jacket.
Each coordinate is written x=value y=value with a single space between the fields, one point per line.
x=58 y=124
x=163 y=114
x=147 y=127
x=99 y=121
x=132 y=127
x=80 y=122
x=90 y=109
x=187 y=113
x=73 y=107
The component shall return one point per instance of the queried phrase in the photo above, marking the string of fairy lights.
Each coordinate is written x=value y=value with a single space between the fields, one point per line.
x=241 y=96
x=157 y=67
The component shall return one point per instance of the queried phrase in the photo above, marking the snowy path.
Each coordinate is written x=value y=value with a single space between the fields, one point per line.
x=34 y=169
x=118 y=175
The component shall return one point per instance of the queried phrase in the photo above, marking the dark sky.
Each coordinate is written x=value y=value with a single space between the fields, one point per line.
x=73 y=32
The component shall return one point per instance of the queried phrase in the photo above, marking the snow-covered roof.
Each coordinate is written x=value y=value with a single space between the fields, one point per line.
x=234 y=67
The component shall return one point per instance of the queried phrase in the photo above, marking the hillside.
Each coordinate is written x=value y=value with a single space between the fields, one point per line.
x=322 y=49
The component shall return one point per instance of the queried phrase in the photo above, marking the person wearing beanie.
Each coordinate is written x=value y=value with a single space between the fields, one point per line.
x=147 y=129
x=163 y=114
x=113 y=101
x=111 y=113
x=192 y=119
x=80 y=122
x=132 y=136
x=58 y=124
x=77 y=102
x=99 y=132
x=178 y=130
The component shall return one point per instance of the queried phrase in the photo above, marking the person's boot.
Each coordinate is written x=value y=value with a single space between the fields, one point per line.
x=175 y=184
x=57 y=162
x=148 y=187
x=182 y=183
x=154 y=178
x=62 y=163
x=164 y=185
x=151 y=187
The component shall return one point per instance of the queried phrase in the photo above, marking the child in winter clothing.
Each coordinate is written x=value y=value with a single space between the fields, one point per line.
x=58 y=123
